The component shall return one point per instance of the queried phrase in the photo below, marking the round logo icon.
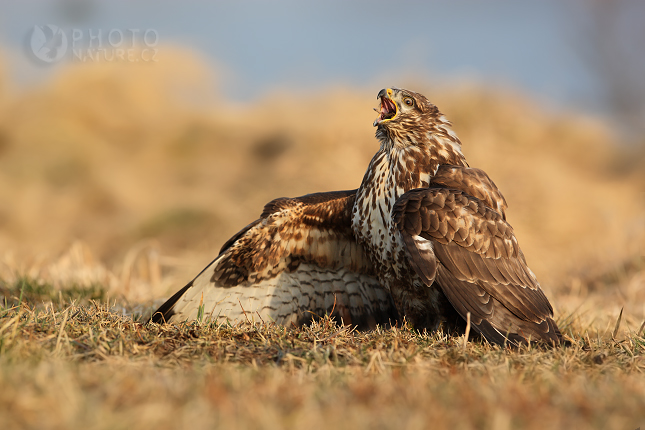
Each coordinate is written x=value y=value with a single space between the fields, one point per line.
x=48 y=43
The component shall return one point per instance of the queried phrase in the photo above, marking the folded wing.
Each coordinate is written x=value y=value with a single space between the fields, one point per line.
x=297 y=262
x=456 y=235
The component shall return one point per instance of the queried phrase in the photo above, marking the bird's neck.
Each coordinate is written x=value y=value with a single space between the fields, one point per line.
x=397 y=168
x=409 y=162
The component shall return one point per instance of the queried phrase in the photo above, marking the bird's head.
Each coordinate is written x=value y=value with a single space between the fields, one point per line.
x=408 y=118
x=396 y=104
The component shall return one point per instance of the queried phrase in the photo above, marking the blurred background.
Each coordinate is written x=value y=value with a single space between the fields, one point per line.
x=136 y=137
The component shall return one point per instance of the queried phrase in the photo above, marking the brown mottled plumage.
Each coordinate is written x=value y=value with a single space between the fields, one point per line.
x=298 y=261
x=424 y=237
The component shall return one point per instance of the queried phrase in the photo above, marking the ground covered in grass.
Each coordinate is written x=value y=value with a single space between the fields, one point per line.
x=91 y=365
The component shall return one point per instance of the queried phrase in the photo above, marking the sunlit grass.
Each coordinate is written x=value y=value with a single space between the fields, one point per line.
x=58 y=363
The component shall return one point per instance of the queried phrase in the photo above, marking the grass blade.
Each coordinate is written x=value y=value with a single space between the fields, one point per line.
x=620 y=317
x=467 y=330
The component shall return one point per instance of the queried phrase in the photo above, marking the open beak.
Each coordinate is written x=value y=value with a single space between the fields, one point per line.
x=388 y=109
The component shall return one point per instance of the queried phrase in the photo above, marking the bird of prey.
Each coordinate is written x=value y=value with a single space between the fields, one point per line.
x=423 y=238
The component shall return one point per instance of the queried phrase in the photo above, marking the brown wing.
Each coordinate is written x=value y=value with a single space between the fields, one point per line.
x=298 y=261
x=476 y=260
x=472 y=181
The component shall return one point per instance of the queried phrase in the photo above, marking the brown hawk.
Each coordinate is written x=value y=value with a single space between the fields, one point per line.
x=424 y=237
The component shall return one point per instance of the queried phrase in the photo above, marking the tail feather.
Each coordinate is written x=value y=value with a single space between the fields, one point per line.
x=166 y=311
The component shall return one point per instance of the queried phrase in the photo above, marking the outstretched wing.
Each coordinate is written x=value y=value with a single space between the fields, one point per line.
x=298 y=261
x=454 y=237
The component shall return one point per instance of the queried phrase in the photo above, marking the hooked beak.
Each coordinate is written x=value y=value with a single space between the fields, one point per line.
x=388 y=109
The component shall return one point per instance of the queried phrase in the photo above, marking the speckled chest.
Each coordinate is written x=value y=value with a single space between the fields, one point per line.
x=390 y=174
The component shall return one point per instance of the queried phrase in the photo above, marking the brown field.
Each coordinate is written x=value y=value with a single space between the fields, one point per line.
x=120 y=182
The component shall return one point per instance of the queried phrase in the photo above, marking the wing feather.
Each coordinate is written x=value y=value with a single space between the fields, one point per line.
x=298 y=261
x=475 y=256
x=474 y=182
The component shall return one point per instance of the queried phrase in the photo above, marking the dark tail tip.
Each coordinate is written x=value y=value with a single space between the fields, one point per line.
x=166 y=311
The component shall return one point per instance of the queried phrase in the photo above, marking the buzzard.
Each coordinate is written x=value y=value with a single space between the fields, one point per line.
x=423 y=238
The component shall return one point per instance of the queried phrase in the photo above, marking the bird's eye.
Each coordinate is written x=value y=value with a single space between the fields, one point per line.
x=408 y=101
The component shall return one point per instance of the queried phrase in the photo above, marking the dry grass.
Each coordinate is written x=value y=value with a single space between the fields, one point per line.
x=120 y=182
x=74 y=366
